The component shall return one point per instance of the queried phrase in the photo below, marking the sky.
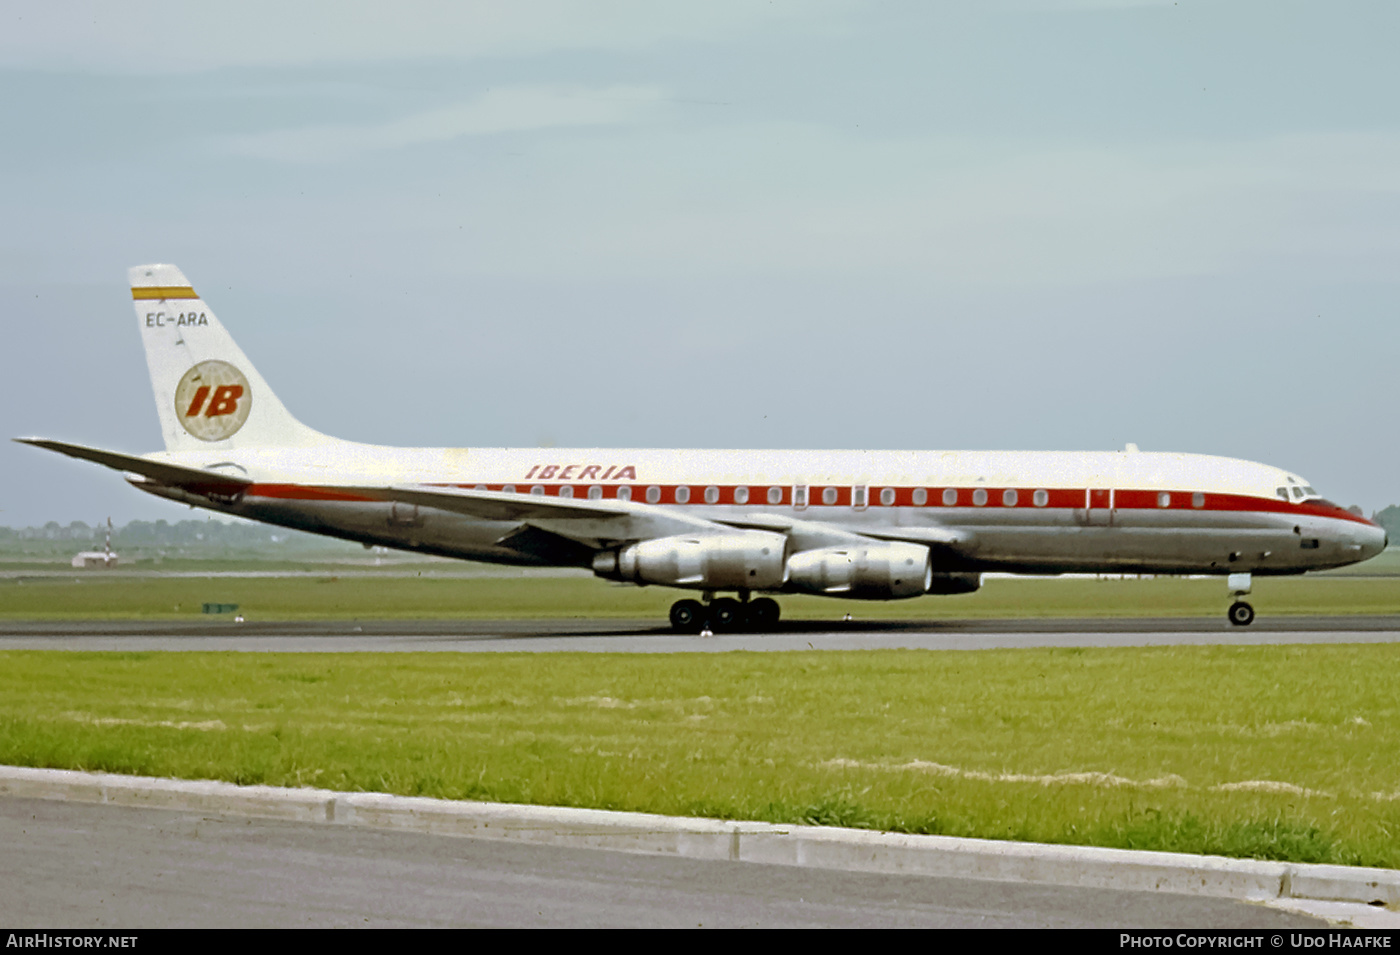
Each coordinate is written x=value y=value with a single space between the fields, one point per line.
x=1058 y=225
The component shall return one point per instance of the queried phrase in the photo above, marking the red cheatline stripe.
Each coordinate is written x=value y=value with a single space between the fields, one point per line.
x=1057 y=498
x=302 y=492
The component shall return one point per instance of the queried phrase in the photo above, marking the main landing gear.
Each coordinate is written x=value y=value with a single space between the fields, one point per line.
x=1240 y=613
x=724 y=614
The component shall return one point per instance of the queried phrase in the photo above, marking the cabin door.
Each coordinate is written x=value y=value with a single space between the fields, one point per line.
x=1098 y=506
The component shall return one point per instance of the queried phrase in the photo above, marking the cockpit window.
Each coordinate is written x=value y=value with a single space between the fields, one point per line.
x=1281 y=492
x=1304 y=492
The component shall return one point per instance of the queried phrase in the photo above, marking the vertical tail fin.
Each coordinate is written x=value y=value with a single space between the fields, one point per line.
x=208 y=394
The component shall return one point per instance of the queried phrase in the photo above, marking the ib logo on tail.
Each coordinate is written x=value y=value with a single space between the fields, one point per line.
x=212 y=400
x=202 y=382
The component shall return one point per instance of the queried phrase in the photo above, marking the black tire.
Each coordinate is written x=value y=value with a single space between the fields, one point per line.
x=1241 y=614
x=763 y=613
x=688 y=616
x=726 y=614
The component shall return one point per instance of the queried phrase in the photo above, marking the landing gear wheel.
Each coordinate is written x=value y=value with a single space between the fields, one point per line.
x=1241 y=614
x=726 y=614
x=763 y=613
x=688 y=616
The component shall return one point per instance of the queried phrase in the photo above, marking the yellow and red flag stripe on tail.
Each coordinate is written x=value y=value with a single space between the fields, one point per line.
x=162 y=292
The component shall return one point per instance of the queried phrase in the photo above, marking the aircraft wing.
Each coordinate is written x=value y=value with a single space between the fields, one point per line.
x=818 y=534
x=194 y=480
x=934 y=536
x=597 y=523
x=604 y=523
x=931 y=534
x=950 y=547
x=494 y=505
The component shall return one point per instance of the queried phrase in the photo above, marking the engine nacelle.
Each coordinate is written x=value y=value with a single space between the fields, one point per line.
x=744 y=560
x=946 y=584
x=877 y=571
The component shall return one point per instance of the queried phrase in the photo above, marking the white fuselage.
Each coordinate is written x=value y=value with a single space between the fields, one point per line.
x=1026 y=512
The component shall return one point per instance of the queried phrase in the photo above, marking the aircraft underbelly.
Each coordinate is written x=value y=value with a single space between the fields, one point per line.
x=1134 y=550
x=1062 y=541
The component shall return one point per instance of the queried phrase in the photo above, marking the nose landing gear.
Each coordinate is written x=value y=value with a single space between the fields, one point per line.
x=1240 y=613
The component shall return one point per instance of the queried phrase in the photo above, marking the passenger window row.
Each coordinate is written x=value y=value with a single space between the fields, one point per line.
x=859 y=495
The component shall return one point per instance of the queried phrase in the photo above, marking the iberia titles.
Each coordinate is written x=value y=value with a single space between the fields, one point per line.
x=581 y=472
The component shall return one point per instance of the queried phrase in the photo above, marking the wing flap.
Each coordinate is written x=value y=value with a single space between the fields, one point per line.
x=494 y=505
x=933 y=536
x=951 y=549
x=814 y=534
x=596 y=523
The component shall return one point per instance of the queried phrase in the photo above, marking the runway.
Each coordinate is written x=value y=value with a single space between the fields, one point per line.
x=646 y=636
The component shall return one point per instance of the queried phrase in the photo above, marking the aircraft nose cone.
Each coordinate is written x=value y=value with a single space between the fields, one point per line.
x=1372 y=540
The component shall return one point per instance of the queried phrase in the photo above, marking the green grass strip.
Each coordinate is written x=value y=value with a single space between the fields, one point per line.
x=1264 y=752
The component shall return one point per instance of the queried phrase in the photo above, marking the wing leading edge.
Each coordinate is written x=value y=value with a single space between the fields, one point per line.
x=597 y=524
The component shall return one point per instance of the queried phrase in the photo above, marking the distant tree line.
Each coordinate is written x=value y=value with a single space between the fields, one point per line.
x=1390 y=520
x=155 y=532
x=191 y=538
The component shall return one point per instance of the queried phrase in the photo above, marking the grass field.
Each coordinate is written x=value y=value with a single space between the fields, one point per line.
x=1267 y=752
x=95 y=596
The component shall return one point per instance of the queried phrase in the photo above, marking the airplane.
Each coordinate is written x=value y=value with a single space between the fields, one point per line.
x=860 y=525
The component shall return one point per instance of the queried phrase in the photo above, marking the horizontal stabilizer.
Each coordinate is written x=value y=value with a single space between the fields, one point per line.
x=194 y=480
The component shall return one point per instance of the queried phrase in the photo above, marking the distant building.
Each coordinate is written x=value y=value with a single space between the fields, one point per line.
x=95 y=559
x=103 y=559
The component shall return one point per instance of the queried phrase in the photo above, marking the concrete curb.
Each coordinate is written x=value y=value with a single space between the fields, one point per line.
x=855 y=850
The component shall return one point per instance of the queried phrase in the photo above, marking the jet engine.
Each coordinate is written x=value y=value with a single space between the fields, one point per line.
x=745 y=560
x=877 y=571
x=955 y=584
